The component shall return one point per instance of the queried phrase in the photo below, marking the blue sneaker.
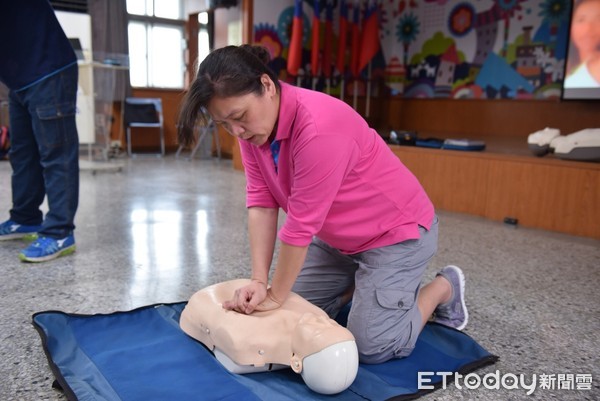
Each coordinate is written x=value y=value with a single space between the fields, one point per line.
x=11 y=230
x=454 y=312
x=47 y=248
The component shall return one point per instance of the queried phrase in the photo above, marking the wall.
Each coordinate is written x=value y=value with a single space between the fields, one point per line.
x=434 y=116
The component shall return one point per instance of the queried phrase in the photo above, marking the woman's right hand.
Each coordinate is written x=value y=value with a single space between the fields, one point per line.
x=246 y=298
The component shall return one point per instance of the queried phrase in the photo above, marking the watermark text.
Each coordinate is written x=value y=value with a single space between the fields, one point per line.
x=508 y=381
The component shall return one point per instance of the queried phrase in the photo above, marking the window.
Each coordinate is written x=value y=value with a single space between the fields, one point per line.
x=156 y=43
x=203 y=37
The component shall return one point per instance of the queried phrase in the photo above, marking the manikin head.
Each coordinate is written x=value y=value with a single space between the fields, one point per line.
x=324 y=353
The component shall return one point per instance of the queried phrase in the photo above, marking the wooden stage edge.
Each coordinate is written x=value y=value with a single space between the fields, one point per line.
x=507 y=181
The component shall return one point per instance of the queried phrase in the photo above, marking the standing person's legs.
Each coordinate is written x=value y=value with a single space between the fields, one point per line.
x=27 y=179
x=326 y=278
x=385 y=318
x=52 y=103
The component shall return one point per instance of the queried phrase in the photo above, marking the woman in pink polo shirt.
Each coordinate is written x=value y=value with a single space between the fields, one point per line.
x=359 y=225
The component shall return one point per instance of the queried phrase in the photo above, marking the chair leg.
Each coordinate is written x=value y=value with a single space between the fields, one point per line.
x=162 y=141
x=198 y=143
x=179 y=150
x=202 y=132
x=215 y=133
x=129 y=141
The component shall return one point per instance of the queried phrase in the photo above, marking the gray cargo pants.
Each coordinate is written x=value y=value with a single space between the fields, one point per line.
x=384 y=317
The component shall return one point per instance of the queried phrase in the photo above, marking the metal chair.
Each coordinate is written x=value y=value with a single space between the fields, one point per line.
x=144 y=113
x=203 y=130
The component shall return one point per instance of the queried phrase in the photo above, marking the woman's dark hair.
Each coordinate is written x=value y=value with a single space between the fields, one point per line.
x=225 y=72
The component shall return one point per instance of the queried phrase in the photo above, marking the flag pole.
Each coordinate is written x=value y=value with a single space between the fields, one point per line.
x=355 y=101
x=368 y=99
x=355 y=53
x=342 y=86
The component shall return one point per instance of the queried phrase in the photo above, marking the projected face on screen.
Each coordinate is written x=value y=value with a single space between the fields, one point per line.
x=582 y=79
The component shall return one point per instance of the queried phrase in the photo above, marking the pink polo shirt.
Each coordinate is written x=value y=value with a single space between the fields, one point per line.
x=337 y=179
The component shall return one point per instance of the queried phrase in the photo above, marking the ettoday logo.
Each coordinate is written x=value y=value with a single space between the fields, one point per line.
x=509 y=381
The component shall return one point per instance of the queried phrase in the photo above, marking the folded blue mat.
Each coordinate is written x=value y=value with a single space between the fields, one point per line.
x=143 y=355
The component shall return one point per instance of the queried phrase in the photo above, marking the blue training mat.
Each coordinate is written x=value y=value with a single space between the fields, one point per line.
x=143 y=355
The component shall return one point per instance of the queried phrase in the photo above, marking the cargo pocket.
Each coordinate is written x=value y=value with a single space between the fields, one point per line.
x=403 y=328
x=390 y=319
x=57 y=123
x=391 y=298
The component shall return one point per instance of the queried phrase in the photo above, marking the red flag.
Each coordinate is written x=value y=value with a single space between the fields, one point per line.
x=355 y=45
x=327 y=47
x=295 y=51
x=341 y=54
x=369 y=43
x=314 y=51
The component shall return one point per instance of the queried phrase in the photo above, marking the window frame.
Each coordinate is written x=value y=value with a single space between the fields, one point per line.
x=207 y=27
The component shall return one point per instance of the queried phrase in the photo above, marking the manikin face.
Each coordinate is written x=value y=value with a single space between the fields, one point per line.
x=311 y=326
x=249 y=117
x=585 y=29
x=314 y=333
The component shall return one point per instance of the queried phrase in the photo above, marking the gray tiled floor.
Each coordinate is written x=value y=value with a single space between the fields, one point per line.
x=161 y=229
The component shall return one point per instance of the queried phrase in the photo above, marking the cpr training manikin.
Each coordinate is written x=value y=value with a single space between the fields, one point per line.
x=298 y=335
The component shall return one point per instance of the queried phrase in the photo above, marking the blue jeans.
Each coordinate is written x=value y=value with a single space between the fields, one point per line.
x=44 y=153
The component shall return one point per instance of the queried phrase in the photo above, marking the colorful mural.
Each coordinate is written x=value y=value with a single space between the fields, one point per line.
x=481 y=49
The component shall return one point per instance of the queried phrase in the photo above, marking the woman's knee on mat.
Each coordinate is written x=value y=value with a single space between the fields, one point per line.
x=392 y=334
x=375 y=350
